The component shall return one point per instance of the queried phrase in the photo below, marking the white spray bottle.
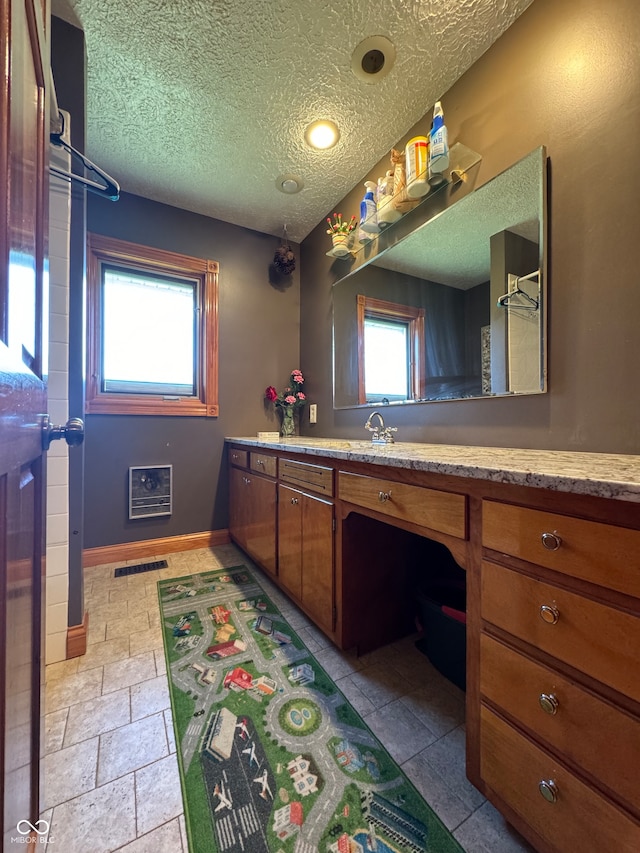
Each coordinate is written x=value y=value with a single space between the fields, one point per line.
x=368 y=210
x=438 y=147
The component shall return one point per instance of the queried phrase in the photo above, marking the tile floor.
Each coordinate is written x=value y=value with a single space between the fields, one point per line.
x=111 y=776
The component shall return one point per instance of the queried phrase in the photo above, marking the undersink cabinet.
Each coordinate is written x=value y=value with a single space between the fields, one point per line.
x=252 y=515
x=305 y=552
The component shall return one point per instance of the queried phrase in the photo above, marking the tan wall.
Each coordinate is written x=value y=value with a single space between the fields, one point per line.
x=566 y=75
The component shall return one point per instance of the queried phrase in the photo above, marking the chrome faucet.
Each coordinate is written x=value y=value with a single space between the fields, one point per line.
x=381 y=433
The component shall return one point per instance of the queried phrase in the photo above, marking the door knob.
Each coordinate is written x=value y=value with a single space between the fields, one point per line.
x=72 y=432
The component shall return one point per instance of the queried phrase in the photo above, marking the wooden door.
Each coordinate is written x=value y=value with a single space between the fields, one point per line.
x=290 y=539
x=23 y=260
x=317 y=560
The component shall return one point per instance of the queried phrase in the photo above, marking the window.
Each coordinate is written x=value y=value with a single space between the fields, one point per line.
x=391 y=349
x=153 y=331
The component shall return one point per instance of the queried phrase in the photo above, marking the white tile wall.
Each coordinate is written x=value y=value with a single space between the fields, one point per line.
x=57 y=586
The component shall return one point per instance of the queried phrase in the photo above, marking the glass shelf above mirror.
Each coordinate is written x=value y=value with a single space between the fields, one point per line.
x=457 y=181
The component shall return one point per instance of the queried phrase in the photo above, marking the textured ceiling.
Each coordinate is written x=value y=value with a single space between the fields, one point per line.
x=202 y=104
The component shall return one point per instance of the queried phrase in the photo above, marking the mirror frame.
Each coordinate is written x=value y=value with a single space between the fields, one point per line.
x=437 y=206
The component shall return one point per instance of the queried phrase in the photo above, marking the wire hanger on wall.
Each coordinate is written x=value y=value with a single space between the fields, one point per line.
x=108 y=188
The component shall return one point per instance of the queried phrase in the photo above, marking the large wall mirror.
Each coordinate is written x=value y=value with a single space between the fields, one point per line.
x=454 y=310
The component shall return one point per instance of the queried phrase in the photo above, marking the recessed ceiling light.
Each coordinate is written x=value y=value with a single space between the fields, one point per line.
x=289 y=184
x=322 y=134
x=373 y=59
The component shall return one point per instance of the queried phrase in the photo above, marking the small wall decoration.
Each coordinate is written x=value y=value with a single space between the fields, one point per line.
x=284 y=260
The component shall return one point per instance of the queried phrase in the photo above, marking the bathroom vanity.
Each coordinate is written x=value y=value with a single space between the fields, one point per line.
x=550 y=542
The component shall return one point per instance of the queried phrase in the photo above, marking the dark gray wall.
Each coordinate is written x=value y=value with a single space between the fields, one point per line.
x=566 y=75
x=258 y=347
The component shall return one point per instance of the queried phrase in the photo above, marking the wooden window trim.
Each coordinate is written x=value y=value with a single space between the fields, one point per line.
x=110 y=250
x=414 y=317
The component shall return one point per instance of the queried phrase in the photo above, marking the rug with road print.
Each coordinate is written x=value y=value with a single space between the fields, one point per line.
x=273 y=758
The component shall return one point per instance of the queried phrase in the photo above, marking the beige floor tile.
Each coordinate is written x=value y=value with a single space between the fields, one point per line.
x=381 y=684
x=70 y=772
x=145 y=641
x=96 y=632
x=450 y=808
x=171 y=734
x=165 y=839
x=401 y=733
x=131 y=747
x=158 y=794
x=75 y=688
x=96 y=716
x=133 y=670
x=149 y=697
x=54 y=728
x=486 y=831
x=161 y=663
x=124 y=626
x=100 y=821
x=447 y=756
x=61 y=669
x=98 y=654
x=438 y=709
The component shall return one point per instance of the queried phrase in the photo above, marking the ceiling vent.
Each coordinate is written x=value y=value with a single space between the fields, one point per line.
x=373 y=59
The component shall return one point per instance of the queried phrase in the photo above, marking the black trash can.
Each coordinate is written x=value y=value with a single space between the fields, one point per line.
x=441 y=604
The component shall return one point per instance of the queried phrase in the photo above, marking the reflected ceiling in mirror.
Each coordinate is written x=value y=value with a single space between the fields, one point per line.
x=473 y=281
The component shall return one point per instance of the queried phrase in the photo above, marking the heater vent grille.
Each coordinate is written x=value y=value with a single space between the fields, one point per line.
x=150 y=491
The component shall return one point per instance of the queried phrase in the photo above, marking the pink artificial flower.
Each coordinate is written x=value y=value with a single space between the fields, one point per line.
x=290 y=400
x=271 y=393
x=297 y=377
x=300 y=396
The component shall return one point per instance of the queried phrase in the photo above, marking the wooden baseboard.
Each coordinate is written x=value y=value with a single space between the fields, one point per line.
x=153 y=547
x=77 y=638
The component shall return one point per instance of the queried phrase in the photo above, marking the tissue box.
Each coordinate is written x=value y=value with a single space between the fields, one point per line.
x=268 y=436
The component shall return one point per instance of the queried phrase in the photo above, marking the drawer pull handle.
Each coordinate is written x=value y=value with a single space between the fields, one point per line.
x=294 y=501
x=549 y=613
x=383 y=497
x=549 y=703
x=549 y=790
x=234 y=456
x=551 y=541
x=260 y=462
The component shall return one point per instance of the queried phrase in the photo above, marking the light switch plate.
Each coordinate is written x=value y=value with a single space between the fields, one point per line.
x=313 y=413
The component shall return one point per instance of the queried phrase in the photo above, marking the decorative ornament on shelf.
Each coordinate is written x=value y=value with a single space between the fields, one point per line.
x=341 y=234
x=288 y=401
x=284 y=260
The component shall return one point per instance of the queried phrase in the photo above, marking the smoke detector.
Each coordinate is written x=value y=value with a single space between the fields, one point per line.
x=373 y=59
x=289 y=184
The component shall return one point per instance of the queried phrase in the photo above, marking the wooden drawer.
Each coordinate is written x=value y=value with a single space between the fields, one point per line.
x=238 y=457
x=601 y=553
x=595 y=735
x=314 y=477
x=263 y=463
x=442 y=511
x=581 y=819
x=594 y=638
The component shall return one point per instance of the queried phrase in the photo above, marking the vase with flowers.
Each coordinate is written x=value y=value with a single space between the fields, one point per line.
x=288 y=401
x=341 y=233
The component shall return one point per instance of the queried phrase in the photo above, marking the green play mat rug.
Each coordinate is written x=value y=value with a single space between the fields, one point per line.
x=272 y=757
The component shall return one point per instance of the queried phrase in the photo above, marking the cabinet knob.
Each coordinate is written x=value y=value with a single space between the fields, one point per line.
x=294 y=501
x=549 y=703
x=260 y=462
x=384 y=496
x=549 y=613
x=549 y=790
x=551 y=541
x=234 y=456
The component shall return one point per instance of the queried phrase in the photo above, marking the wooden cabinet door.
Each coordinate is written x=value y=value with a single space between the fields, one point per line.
x=237 y=505
x=290 y=539
x=259 y=496
x=317 y=560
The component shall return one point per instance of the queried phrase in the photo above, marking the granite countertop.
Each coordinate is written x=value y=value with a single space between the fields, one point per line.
x=607 y=475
